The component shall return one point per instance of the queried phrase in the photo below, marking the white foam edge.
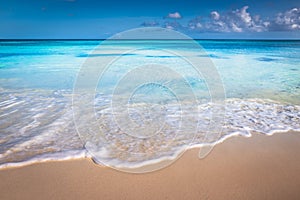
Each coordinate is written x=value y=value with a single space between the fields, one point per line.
x=181 y=150
x=57 y=156
x=78 y=154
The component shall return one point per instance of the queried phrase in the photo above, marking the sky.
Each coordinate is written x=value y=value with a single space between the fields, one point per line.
x=100 y=19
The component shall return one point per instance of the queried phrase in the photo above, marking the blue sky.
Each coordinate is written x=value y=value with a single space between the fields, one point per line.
x=86 y=19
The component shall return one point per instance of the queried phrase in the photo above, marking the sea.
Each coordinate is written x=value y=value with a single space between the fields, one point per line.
x=147 y=102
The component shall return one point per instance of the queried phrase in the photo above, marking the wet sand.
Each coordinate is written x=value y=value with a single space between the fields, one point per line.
x=260 y=167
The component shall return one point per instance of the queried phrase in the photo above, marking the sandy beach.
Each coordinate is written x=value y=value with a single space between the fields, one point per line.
x=260 y=167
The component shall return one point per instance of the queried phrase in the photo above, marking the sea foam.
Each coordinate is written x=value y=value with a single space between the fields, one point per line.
x=42 y=129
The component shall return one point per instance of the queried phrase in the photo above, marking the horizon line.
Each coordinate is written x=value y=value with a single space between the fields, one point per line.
x=102 y=39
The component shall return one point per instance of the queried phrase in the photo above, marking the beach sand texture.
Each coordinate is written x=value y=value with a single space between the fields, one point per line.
x=260 y=167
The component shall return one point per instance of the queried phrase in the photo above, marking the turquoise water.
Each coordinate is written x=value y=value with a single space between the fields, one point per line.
x=261 y=81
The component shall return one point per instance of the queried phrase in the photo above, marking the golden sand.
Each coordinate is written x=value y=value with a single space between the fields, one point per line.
x=260 y=167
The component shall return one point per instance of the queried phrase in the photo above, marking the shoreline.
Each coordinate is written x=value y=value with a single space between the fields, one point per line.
x=83 y=154
x=258 y=167
x=243 y=116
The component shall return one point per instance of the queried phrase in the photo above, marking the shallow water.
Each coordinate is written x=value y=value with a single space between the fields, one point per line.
x=261 y=81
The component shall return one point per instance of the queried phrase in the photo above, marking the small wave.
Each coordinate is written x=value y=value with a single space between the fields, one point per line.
x=41 y=128
x=242 y=117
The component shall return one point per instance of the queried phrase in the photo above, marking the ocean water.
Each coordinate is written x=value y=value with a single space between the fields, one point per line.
x=44 y=117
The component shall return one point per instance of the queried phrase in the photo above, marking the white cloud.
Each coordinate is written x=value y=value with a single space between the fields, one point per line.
x=235 y=28
x=175 y=15
x=195 y=24
x=238 y=20
x=245 y=22
x=173 y=25
x=245 y=16
x=215 y=15
x=289 y=20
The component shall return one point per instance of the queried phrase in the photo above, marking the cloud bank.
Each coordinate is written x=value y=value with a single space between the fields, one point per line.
x=239 y=20
x=287 y=21
x=236 y=21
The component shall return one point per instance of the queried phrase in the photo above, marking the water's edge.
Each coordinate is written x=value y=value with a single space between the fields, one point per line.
x=82 y=154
